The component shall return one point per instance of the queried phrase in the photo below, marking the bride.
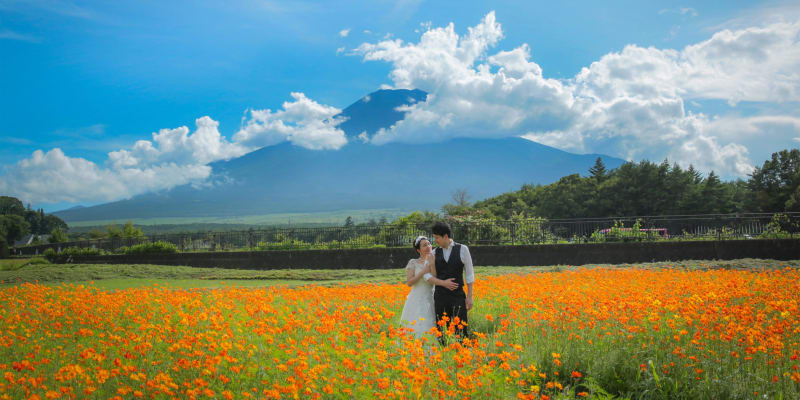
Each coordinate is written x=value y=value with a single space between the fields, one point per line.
x=418 y=313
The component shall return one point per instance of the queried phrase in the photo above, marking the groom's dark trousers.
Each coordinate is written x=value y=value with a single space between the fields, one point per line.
x=446 y=301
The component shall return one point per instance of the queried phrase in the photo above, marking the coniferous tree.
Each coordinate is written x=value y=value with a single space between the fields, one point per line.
x=598 y=171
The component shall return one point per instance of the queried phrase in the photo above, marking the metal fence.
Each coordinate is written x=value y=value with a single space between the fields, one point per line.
x=517 y=232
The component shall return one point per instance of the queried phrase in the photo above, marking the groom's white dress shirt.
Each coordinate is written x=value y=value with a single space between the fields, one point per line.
x=466 y=258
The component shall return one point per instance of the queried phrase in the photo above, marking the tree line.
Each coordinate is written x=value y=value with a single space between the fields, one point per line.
x=645 y=188
x=16 y=221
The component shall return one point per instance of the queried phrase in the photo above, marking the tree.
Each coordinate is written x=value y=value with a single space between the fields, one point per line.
x=11 y=206
x=33 y=219
x=58 y=236
x=712 y=195
x=50 y=222
x=114 y=231
x=130 y=231
x=460 y=204
x=598 y=171
x=461 y=197
x=348 y=222
x=13 y=227
x=774 y=185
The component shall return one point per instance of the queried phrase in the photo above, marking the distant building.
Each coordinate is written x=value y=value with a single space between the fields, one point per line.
x=29 y=239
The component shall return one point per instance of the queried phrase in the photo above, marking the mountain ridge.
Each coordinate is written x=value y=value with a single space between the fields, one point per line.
x=286 y=178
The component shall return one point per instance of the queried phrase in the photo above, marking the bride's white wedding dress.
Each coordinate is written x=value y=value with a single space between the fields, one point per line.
x=418 y=312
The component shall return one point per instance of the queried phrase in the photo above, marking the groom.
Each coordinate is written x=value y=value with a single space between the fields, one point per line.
x=453 y=264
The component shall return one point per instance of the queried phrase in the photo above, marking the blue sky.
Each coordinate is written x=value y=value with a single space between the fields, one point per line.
x=90 y=78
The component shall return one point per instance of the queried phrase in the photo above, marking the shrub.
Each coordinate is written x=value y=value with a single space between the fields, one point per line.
x=38 y=261
x=82 y=251
x=55 y=257
x=121 y=250
x=57 y=235
x=158 y=247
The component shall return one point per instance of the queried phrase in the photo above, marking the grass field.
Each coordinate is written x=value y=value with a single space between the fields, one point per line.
x=690 y=330
x=120 y=276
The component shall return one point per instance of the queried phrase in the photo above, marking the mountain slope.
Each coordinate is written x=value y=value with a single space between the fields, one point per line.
x=287 y=178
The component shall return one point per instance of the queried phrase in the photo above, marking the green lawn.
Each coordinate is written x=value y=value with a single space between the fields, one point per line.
x=16 y=271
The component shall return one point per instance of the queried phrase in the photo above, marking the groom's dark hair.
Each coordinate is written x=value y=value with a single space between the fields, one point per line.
x=441 y=228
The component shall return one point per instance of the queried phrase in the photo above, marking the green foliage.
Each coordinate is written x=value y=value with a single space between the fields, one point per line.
x=404 y=230
x=781 y=227
x=11 y=206
x=41 y=223
x=775 y=186
x=38 y=261
x=55 y=257
x=647 y=188
x=283 y=242
x=13 y=227
x=4 y=253
x=618 y=233
x=58 y=236
x=37 y=222
x=113 y=231
x=598 y=171
x=158 y=247
x=130 y=231
x=50 y=254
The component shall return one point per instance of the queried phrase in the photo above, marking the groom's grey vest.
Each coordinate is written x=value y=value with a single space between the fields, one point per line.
x=452 y=268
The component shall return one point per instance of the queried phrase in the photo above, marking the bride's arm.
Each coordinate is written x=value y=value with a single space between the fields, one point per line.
x=411 y=278
x=433 y=280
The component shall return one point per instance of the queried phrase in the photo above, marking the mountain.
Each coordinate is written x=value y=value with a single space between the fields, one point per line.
x=378 y=110
x=287 y=178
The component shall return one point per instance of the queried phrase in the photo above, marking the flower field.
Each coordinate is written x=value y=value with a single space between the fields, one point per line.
x=586 y=333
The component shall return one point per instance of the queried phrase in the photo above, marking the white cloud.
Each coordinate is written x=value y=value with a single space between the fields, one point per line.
x=203 y=146
x=172 y=157
x=344 y=32
x=303 y=122
x=54 y=177
x=628 y=104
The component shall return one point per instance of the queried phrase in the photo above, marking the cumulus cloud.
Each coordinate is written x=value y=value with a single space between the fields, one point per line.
x=172 y=157
x=628 y=103
x=302 y=122
x=466 y=96
x=54 y=177
x=344 y=32
x=178 y=146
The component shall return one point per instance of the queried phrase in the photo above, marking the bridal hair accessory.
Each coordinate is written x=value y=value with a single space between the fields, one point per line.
x=419 y=239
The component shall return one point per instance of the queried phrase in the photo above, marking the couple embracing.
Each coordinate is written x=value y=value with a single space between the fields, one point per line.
x=437 y=281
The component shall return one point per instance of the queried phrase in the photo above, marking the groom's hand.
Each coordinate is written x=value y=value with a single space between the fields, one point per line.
x=468 y=302
x=450 y=284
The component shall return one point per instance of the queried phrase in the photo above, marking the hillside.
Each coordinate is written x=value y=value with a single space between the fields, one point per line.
x=289 y=179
